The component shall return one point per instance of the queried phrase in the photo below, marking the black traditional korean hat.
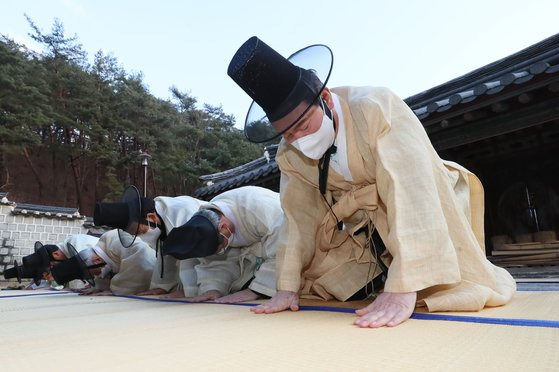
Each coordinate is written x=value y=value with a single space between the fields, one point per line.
x=41 y=258
x=196 y=238
x=22 y=272
x=278 y=85
x=126 y=216
x=73 y=268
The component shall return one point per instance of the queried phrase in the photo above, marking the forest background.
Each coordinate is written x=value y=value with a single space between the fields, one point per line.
x=71 y=132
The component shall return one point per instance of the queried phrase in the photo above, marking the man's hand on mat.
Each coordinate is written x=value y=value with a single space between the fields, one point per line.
x=388 y=309
x=244 y=295
x=176 y=294
x=102 y=293
x=206 y=296
x=80 y=290
x=282 y=300
x=87 y=291
x=156 y=291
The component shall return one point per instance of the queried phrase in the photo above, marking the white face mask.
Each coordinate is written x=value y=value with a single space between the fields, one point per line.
x=315 y=144
x=228 y=239
x=233 y=240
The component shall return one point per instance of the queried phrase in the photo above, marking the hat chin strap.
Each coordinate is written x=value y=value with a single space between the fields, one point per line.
x=162 y=258
x=324 y=162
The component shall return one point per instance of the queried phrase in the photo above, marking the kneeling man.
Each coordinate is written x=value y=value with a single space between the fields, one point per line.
x=152 y=220
x=235 y=237
x=36 y=266
x=118 y=270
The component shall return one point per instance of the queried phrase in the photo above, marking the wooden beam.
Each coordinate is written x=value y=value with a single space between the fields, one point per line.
x=485 y=100
x=487 y=128
x=525 y=98
x=474 y=115
x=500 y=107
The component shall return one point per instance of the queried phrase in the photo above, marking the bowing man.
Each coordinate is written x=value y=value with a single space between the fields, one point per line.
x=359 y=173
x=152 y=220
x=108 y=266
x=235 y=237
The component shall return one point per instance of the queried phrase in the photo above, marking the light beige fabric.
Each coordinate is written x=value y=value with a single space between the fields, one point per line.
x=207 y=337
x=428 y=212
x=258 y=218
x=133 y=266
x=176 y=211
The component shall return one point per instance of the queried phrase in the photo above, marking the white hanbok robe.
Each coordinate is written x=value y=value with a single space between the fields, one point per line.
x=80 y=242
x=257 y=216
x=175 y=211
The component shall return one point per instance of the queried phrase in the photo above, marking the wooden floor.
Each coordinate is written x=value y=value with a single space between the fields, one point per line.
x=536 y=278
x=550 y=272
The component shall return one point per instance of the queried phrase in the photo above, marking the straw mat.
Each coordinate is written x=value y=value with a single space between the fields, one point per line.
x=59 y=331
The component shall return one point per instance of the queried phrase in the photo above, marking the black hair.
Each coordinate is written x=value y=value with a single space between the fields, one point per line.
x=148 y=206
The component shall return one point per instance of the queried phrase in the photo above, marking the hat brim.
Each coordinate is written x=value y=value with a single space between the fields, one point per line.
x=37 y=246
x=318 y=58
x=18 y=270
x=31 y=262
x=21 y=274
x=86 y=275
x=44 y=254
x=131 y=197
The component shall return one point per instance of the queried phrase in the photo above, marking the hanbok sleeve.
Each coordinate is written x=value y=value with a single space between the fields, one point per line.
x=136 y=268
x=269 y=223
x=218 y=272
x=103 y=284
x=170 y=278
x=264 y=281
x=188 y=277
x=413 y=184
x=304 y=210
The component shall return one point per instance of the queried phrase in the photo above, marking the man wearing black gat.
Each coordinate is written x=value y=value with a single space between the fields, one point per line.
x=151 y=220
x=235 y=238
x=355 y=161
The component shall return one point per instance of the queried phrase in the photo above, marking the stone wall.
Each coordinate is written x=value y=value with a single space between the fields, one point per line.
x=21 y=228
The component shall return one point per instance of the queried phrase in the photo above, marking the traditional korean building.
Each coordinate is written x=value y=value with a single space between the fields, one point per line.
x=501 y=121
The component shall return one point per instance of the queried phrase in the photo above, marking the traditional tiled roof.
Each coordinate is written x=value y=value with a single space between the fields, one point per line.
x=47 y=211
x=520 y=68
x=526 y=68
x=242 y=175
x=4 y=199
x=40 y=210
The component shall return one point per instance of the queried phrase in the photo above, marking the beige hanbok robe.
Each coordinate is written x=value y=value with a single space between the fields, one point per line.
x=257 y=217
x=130 y=268
x=176 y=211
x=428 y=212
